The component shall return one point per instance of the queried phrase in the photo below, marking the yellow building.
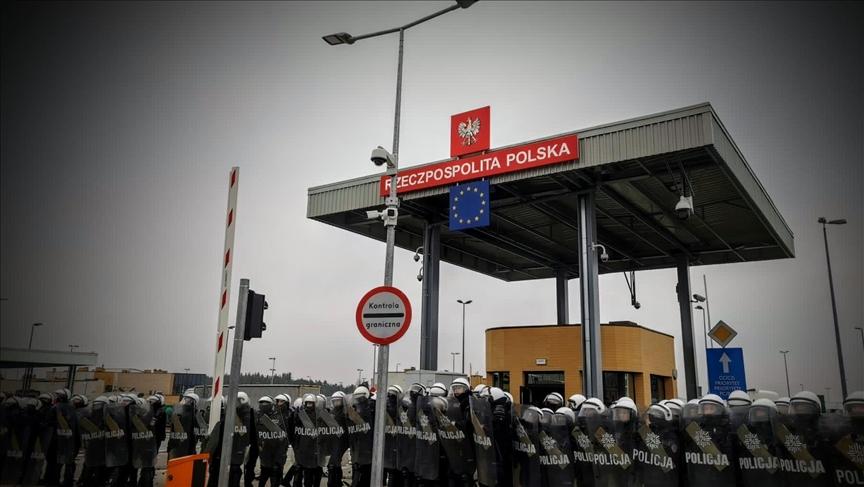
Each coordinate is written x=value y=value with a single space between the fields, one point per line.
x=533 y=361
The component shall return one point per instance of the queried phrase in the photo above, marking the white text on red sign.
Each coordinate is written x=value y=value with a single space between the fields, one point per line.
x=519 y=158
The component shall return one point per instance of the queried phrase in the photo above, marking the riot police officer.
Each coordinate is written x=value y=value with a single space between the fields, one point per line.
x=360 y=423
x=708 y=447
x=272 y=442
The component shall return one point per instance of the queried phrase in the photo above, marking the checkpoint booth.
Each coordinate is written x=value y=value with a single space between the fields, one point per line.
x=668 y=190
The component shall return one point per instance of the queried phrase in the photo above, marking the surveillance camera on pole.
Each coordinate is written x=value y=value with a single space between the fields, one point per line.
x=604 y=257
x=380 y=156
x=684 y=207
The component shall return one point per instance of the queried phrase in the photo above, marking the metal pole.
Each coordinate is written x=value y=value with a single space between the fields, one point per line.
x=384 y=352
x=463 y=337
x=786 y=367
x=861 y=331
x=705 y=333
x=233 y=386
x=707 y=309
x=561 y=303
x=834 y=310
x=683 y=290
x=589 y=295
x=431 y=277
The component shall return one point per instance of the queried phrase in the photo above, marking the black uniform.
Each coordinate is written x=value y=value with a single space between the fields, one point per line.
x=91 y=424
x=272 y=444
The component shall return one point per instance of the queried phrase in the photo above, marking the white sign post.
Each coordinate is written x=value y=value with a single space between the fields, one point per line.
x=383 y=316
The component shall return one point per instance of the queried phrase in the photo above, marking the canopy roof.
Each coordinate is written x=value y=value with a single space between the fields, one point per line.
x=637 y=167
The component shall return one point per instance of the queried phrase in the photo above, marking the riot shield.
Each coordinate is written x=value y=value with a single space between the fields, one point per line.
x=328 y=431
x=359 y=420
x=583 y=453
x=65 y=430
x=305 y=439
x=240 y=443
x=116 y=436
x=526 y=446
x=201 y=429
x=181 y=441
x=407 y=437
x=143 y=438
x=391 y=436
x=454 y=435
x=17 y=438
x=657 y=453
x=333 y=437
x=844 y=438
x=803 y=456
x=272 y=439
x=426 y=447
x=708 y=452
x=40 y=437
x=613 y=446
x=756 y=449
x=556 y=451
x=484 y=447
x=91 y=426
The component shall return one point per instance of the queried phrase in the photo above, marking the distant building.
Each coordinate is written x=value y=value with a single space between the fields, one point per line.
x=533 y=361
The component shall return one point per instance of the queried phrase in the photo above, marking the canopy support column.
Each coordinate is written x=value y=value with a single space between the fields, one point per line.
x=683 y=290
x=429 y=311
x=589 y=296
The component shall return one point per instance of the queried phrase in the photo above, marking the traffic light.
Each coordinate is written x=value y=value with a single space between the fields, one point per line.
x=255 y=306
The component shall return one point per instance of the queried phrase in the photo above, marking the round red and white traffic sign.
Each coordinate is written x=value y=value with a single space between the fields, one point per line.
x=383 y=315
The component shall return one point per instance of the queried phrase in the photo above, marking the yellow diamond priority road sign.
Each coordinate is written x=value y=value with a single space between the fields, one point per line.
x=722 y=333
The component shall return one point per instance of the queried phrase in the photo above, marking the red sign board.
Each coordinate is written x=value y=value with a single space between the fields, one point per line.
x=383 y=315
x=502 y=161
x=469 y=132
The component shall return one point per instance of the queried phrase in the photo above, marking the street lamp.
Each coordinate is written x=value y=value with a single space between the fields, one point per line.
x=704 y=336
x=73 y=347
x=861 y=331
x=186 y=370
x=390 y=214
x=32 y=327
x=397 y=366
x=786 y=366
x=463 y=303
x=29 y=372
x=825 y=222
x=272 y=369
x=453 y=363
x=359 y=376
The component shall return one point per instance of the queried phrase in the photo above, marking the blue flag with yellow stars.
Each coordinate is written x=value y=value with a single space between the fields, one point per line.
x=469 y=205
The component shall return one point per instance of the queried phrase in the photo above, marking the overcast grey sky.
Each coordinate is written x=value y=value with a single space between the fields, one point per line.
x=120 y=122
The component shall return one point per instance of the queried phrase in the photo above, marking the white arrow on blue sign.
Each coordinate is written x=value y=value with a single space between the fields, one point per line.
x=725 y=371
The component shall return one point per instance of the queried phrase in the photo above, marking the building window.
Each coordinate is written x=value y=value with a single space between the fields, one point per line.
x=658 y=389
x=540 y=378
x=501 y=380
x=617 y=385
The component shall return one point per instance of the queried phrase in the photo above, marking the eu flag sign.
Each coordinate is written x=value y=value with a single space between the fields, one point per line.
x=469 y=205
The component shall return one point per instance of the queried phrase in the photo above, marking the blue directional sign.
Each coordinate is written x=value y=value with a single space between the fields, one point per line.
x=725 y=371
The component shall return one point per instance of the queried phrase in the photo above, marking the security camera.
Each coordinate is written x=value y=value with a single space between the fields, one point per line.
x=684 y=207
x=417 y=254
x=373 y=214
x=380 y=156
x=603 y=255
x=420 y=275
x=637 y=304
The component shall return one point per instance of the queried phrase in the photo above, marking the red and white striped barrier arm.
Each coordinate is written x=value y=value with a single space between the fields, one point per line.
x=224 y=298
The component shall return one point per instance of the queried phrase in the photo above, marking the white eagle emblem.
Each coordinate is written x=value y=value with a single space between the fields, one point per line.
x=468 y=131
x=652 y=441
